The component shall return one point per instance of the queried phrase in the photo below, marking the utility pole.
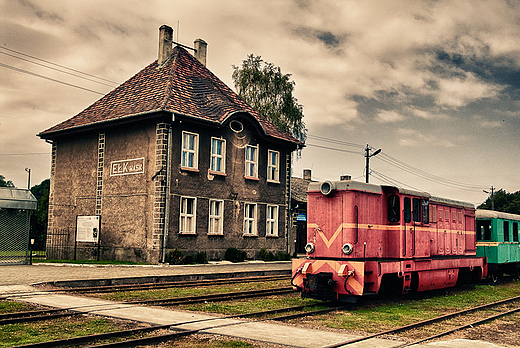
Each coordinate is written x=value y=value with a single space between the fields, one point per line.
x=367 y=160
x=28 y=170
x=492 y=196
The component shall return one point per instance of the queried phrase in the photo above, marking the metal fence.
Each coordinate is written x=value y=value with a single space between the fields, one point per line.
x=14 y=236
x=60 y=244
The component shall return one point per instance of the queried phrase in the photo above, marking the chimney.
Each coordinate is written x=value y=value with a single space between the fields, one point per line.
x=345 y=177
x=307 y=174
x=165 y=44
x=200 y=50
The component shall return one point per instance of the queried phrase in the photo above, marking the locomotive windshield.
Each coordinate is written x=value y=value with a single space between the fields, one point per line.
x=393 y=208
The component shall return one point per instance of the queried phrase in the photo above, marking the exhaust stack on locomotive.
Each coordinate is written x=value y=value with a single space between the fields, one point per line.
x=365 y=239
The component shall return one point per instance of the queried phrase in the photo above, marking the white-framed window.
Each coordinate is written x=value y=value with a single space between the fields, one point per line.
x=216 y=217
x=190 y=150
x=273 y=166
x=218 y=155
x=252 y=161
x=272 y=220
x=250 y=219
x=188 y=213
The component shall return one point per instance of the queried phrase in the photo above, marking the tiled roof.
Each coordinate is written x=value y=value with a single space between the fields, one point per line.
x=299 y=189
x=182 y=85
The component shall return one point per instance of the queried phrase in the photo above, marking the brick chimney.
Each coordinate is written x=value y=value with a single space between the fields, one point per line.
x=165 y=44
x=200 y=50
x=307 y=174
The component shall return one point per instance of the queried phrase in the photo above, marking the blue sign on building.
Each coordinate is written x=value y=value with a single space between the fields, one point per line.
x=301 y=217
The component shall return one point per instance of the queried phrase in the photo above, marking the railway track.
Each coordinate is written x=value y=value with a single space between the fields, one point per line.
x=156 y=334
x=452 y=321
x=177 y=284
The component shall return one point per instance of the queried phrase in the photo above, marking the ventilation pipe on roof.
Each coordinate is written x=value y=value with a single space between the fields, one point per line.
x=200 y=50
x=165 y=44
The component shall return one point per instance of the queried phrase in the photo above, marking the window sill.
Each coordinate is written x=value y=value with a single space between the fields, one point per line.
x=273 y=181
x=249 y=235
x=271 y=236
x=217 y=173
x=189 y=169
x=251 y=178
x=188 y=233
x=215 y=234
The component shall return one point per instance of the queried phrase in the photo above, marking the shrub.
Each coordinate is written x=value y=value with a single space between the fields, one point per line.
x=175 y=257
x=235 y=255
x=283 y=256
x=266 y=255
x=201 y=257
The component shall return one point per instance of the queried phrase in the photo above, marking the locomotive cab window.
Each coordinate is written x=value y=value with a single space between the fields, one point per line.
x=483 y=230
x=393 y=208
x=425 y=211
x=407 y=209
x=416 y=210
x=515 y=231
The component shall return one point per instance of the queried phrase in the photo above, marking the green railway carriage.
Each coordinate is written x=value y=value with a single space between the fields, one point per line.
x=497 y=240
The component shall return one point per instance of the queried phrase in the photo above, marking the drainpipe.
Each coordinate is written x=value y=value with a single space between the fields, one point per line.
x=167 y=191
x=289 y=215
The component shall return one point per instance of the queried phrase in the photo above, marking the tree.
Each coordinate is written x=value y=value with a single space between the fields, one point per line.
x=270 y=92
x=5 y=183
x=39 y=217
x=504 y=201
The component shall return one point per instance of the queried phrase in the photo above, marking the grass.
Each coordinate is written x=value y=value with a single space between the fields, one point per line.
x=11 y=307
x=191 y=291
x=18 y=334
x=252 y=305
x=381 y=315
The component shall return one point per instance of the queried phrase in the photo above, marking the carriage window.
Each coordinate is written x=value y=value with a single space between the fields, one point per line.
x=425 y=210
x=483 y=230
x=506 y=231
x=416 y=209
x=407 y=209
x=515 y=231
x=393 y=208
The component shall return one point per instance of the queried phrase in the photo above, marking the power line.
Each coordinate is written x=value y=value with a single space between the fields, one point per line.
x=61 y=66
x=335 y=141
x=332 y=148
x=48 y=78
x=55 y=69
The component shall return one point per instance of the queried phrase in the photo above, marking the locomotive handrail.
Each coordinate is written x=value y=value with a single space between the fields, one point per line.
x=356 y=211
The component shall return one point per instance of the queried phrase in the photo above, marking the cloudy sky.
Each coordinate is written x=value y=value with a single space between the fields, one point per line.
x=434 y=84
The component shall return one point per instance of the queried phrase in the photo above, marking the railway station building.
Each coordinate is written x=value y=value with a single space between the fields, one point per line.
x=170 y=159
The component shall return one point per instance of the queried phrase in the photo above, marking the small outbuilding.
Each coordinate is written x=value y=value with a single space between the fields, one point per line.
x=15 y=207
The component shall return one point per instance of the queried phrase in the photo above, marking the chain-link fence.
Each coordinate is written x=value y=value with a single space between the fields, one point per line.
x=14 y=236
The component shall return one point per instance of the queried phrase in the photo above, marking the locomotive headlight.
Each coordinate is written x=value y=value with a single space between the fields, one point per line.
x=347 y=248
x=327 y=187
x=309 y=248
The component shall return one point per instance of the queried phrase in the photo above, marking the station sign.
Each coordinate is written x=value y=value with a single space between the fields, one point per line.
x=127 y=166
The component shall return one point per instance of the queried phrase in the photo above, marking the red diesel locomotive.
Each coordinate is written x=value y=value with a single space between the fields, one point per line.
x=366 y=239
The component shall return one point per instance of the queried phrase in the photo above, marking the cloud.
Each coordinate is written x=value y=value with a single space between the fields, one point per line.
x=386 y=116
x=413 y=137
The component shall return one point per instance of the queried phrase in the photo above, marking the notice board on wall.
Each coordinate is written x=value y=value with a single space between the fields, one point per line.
x=87 y=228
